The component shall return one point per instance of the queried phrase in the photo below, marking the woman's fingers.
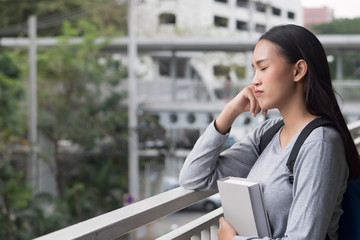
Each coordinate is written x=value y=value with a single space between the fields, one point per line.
x=226 y=231
x=254 y=104
x=246 y=101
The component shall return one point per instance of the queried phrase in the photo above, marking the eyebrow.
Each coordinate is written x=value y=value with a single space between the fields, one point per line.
x=259 y=61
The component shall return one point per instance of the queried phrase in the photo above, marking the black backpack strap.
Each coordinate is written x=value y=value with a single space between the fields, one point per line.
x=269 y=134
x=300 y=140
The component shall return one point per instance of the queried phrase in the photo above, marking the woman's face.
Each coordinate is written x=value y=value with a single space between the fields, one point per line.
x=273 y=79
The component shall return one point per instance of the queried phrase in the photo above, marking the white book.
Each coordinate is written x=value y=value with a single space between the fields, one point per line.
x=243 y=205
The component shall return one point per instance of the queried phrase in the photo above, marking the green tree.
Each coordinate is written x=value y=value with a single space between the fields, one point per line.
x=80 y=102
x=338 y=26
x=51 y=15
x=15 y=195
x=351 y=60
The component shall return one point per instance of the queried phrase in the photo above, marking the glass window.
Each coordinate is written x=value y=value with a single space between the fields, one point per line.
x=291 y=15
x=220 y=21
x=167 y=18
x=240 y=25
x=221 y=70
x=260 y=28
x=165 y=67
x=242 y=3
x=276 y=11
x=260 y=7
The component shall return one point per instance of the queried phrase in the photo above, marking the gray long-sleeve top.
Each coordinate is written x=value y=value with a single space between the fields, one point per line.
x=309 y=208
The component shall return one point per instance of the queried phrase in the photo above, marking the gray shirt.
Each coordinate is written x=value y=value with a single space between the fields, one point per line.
x=309 y=208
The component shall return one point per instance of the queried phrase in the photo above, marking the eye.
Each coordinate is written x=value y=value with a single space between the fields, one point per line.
x=263 y=69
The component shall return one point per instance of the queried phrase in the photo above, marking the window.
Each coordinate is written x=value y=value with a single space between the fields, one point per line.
x=165 y=67
x=240 y=71
x=291 y=15
x=240 y=25
x=220 y=21
x=221 y=70
x=260 y=7
x=276 y=11
x=167 y=18
x=242 y=3
x=260 y=28
x=222 y=1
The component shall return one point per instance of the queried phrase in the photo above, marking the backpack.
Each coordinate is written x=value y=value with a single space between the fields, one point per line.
x=349 y=223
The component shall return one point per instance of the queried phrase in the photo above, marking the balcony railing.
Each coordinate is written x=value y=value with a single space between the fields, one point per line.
x=119 y=222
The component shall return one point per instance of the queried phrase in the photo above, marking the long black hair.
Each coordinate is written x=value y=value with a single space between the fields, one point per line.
x=295 y=43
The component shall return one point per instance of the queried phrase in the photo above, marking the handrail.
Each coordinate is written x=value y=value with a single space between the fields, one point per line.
x=121 y=221
x=354 y=128
x=196 y=227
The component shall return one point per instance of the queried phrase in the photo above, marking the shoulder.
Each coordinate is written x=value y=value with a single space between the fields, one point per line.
x=326 y=146
x=326 y=135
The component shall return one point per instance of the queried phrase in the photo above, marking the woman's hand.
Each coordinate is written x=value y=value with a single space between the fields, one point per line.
x=244 y=101
x=226 y=231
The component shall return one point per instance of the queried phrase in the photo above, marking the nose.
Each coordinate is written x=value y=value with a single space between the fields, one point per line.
x=255 y=80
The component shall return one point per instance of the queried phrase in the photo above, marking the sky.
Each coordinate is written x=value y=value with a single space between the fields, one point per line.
x=342 y=8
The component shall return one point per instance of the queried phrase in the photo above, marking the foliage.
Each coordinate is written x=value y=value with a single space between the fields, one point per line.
x=81 y=103
x=15 y=195
x=51 y=14
x=351 y=60
x=79 y=100
x=351 y=66
x=11 y=89
x=338 y=26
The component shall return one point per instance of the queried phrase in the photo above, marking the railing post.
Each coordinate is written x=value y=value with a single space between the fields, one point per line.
x=205 y=234
x=132 y=124
x=213 y=231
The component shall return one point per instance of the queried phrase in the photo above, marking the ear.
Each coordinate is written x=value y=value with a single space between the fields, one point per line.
x=300 y=70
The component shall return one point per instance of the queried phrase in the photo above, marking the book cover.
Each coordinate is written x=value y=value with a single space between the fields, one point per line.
x=243 y=205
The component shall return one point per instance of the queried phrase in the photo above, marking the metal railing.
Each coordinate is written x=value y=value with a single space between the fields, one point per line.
x=119 y=222
x=123 y=220
x=354 y=128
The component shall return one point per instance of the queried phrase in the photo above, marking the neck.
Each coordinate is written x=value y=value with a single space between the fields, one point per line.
x=295 y=115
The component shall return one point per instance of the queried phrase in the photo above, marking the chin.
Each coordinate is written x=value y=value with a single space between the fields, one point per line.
x=267 y=105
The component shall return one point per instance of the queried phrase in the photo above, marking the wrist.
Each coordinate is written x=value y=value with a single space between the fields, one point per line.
x=220 y=129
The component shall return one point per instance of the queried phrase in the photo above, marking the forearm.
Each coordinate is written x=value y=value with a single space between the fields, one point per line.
x=202 y=160
x=244 y=101
x=226 y=118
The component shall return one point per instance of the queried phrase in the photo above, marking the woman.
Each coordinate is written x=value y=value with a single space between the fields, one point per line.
x=292 y=75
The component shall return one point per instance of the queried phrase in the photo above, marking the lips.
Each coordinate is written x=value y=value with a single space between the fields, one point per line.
x=258 y=92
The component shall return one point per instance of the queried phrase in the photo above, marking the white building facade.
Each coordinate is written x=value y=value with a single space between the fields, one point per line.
x=215 y=18
x=221 y=19
x=187 y=90
x=210 y=19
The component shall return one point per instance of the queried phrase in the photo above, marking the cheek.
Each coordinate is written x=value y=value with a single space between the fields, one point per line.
x=279 y=88
x=281 y=79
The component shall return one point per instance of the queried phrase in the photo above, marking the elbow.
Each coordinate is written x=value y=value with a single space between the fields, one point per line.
x=187 y=181
x=184 y=180
x=193 y=182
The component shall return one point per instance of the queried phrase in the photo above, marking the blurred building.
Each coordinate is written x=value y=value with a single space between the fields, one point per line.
x=215 y=18
x=317 y=15
x=187 y=90
x=209 y=19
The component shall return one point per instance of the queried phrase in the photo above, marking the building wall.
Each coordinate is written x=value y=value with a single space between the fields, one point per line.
x=196 y=17
x=317 y=15
x=203 y=19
